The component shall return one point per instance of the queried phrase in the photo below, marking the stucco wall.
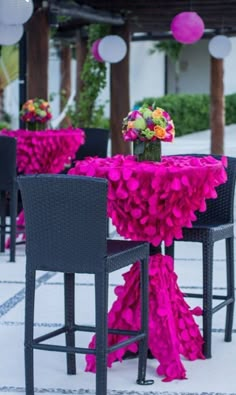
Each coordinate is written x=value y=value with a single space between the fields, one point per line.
x=195 y=69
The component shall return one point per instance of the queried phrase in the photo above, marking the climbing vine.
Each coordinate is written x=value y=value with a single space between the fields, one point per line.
x=93 y=75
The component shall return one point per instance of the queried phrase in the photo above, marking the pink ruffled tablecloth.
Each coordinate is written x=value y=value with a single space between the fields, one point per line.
x=45 y=151
x=153 y=201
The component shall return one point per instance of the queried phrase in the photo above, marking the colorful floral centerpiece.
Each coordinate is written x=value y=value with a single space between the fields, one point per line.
x=36 y=113
x=147 y=127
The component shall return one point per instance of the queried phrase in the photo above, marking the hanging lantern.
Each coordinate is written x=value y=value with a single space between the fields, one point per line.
x=15 y=12
x=10 y=34
x=220 y=46
x=94 y=51
x=112 y=49
x=187 y=27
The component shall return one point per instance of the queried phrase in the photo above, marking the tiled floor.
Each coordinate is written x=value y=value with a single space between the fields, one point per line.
x=215 y=376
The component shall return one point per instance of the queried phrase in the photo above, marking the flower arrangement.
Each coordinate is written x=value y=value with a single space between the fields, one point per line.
x=148 y=124
x=36 y=113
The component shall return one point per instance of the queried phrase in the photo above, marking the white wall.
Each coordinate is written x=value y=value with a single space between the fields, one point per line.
x=230 y=68
x=146 y=72
x=195 y=69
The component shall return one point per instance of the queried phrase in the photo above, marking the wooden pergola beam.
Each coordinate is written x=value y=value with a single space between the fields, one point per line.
x=76 y=11
x=37 y=55
x=65 y=82
x=81 y=53
x=217 y=106
x=119 y=95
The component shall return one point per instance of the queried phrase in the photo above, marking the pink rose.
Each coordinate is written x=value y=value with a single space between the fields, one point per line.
x=130 y=135
x=134 y=115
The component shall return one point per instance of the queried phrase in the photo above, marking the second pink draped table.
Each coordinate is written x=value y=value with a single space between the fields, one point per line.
x=45 y=151
x=153 y=201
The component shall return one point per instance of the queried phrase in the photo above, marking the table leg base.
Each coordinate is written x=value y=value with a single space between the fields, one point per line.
x=144 y=382
x=172 y=329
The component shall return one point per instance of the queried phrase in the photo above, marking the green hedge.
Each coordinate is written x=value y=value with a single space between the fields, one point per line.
x=191 y=113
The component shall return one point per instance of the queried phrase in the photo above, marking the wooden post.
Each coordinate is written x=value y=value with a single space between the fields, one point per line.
x=65 y=69
x=119 y=95
x=37 y=55
x=217 y=116
x=81 y=52
x=65 y=83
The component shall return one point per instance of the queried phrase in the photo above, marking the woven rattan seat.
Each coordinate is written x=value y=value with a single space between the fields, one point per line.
x=8 y=191
x=65 y=219
x=216 y=223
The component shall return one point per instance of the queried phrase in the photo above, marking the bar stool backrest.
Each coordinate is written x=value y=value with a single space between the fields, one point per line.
x=221 y=209
x=96 y=142
x=66 y=222
x=7 y=162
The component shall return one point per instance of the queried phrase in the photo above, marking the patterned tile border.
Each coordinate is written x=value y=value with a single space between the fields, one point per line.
x=111 y=284
x=58 y=325
x=109 y=392
x=19 y=296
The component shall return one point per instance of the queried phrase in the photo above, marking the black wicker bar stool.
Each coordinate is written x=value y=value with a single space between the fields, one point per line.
x=216 y=223
x=66 y=227
x=8 y=190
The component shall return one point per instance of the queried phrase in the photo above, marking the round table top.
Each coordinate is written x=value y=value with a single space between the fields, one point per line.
x=153 y=201
x=45 y=151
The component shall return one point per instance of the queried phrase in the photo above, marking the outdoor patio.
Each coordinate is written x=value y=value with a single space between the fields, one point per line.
x=216 y=375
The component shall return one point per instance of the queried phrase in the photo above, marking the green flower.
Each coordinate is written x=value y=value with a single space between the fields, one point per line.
x=42 y=113
x=140 y=123
x=146 y=113
x=148 y=133
x=160 y=121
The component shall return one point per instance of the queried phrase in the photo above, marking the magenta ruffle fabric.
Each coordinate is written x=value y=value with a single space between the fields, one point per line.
x=45 y=151
x=153 y=202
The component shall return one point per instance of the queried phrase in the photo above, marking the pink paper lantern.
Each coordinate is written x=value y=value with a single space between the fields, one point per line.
x=187 y=27
x=94 y=50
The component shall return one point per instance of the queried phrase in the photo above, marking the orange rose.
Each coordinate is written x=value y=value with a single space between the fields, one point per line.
x=157 y=113
x=130 y=125
x=31 y=107
x=159 y=132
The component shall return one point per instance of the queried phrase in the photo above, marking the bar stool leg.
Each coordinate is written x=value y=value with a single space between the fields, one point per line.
x=3 y=220
x=29 y=331
x=230 y=288
x=207 y=249
x=101 y=303
x=13 y=214
x=69 y=300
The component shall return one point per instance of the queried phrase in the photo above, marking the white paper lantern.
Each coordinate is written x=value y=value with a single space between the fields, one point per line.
x=10 y=34
x=220 y=46
x=112 y=49
x=15 y=12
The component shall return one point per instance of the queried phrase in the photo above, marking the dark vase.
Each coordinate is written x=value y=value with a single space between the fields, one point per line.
x=36 y=126
x=147 y=150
